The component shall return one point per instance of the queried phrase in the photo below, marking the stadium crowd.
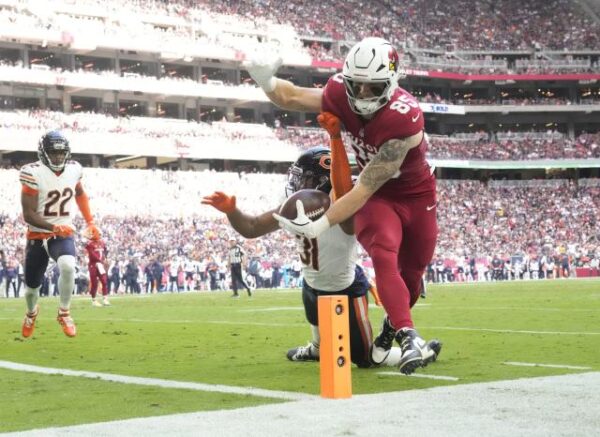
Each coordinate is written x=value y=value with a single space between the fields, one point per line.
x=256 y=137
x=487 y=146
x=521 y=101
x=500 y=25
x=449 y=26
x=585 y=146
x=166 y=240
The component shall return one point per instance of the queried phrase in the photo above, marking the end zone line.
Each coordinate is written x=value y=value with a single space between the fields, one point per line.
x=554 y=366
x=508 y=331
x=164 y=383
x=420 y=375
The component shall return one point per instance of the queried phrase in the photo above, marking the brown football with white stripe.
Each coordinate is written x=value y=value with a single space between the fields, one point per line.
x=315 y=204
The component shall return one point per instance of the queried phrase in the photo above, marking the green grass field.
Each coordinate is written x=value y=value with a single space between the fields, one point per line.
x=211 y=338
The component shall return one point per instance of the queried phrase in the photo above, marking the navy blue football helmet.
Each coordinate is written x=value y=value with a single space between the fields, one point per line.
x=54 y=150
x=311 y=170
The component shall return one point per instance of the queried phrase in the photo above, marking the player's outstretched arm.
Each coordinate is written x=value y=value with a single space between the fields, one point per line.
x=262 y=68
x=381 y=168
x=341 y=175
x=249 y=226
x=288 y=96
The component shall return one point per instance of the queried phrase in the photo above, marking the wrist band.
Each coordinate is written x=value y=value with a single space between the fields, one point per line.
x=270 y=85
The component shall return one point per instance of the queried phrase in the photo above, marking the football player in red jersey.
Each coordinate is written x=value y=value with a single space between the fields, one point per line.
x=394 y=199
x=96 y=250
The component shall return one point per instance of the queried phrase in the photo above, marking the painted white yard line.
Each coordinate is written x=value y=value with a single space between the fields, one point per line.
x=512 y=308
x=301 y=308
x=508 y=331
x=186 y=322
x=525 y=281
x=553 y=366
x=421 y=375
x=197 y=322
x=227 y=322
x=260 y=310
x=156 y=382
x=289 y=325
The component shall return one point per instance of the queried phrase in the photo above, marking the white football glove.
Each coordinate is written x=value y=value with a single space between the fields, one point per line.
x=302 y=225
x=262 y=67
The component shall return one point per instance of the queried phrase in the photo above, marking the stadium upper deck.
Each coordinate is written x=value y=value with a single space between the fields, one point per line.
x=181 y=60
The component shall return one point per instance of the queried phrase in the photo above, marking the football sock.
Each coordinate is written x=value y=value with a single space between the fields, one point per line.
x=316 y=339
x=31 y=297
x=66 y=280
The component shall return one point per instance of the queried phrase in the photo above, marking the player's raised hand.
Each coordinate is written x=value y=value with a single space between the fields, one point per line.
x=62 y=231
x=330 y=123
x=92 y=232
x=220 y=201
x=262 y=67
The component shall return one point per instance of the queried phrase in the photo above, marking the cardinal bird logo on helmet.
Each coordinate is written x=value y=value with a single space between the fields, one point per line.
x=393 y=55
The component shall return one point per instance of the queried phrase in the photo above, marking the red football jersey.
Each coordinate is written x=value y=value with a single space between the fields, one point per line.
x=401 y=117
x=96 y=251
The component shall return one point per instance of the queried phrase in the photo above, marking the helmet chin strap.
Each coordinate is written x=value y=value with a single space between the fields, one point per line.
x=366 y=109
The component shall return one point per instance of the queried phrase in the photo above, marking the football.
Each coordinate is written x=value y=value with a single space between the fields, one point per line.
x=315 y=204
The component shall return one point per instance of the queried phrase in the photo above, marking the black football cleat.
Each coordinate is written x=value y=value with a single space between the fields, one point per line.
x=412 y=347
x=431 y=351
x=380 y=349
x=310 y=352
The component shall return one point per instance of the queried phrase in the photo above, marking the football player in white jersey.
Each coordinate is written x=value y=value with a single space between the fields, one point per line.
x=328 y=261
x=49 y=187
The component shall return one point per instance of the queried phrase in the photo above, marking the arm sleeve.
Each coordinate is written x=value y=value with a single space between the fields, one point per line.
x=341 y=176
x=84 y=206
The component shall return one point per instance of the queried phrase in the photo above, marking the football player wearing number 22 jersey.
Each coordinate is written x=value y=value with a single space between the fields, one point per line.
x=49 y=187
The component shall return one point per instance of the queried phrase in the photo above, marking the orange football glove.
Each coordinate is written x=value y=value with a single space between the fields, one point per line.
x=220 y=201
x=62 y=231
x=330 y=123
x=92 y=232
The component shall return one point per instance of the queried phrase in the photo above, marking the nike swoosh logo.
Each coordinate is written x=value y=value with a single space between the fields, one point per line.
x=429 y=208
x=414 y=119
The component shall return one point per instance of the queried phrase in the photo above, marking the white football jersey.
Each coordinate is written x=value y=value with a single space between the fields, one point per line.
x=329 y=261
x=56 y=193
